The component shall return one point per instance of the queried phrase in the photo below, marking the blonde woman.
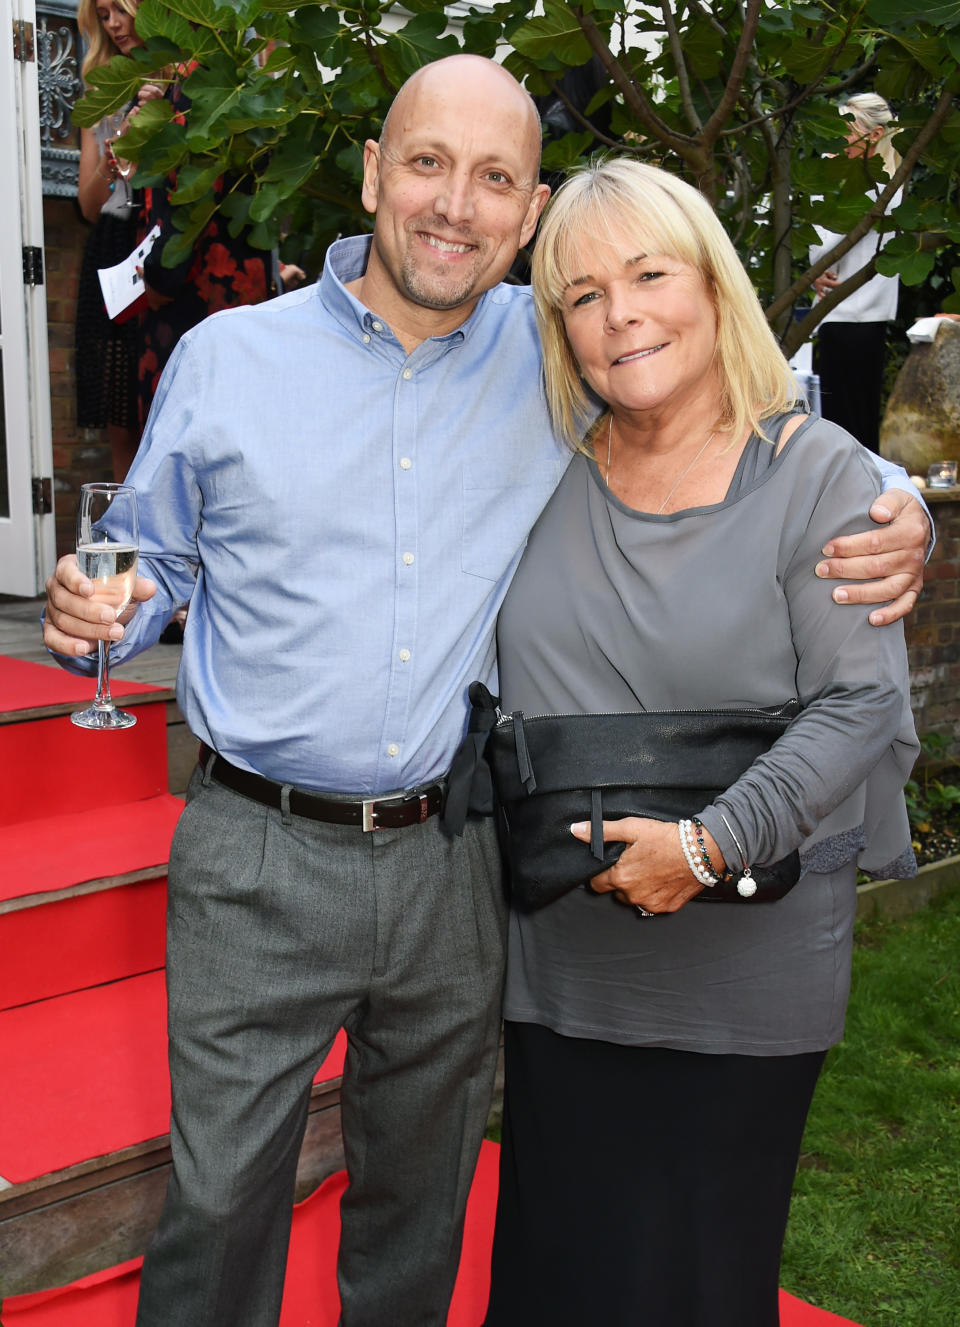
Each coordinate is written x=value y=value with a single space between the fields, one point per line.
x=662 y=1051
x=105 y=351
x=852 y=336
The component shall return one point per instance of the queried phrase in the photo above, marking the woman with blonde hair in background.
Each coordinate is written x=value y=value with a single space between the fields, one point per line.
x=106 y=351
x=852 y=336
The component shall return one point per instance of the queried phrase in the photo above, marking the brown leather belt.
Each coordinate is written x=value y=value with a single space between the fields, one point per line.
x=407 y=808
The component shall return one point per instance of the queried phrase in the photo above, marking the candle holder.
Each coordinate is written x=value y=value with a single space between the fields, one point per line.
x=942 y=474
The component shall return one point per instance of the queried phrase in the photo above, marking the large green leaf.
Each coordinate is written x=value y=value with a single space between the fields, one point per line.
x=111 y=86
x=317 y=27
x=417 y=43
x=146 y=124
x=215 y=91
x=202 y=12
x=555 y=36
x=156 y=19
x=195 y=181
x=897 y=13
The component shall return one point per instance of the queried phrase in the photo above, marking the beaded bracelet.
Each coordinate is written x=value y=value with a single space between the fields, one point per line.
x=687 y=843
x=722 y=876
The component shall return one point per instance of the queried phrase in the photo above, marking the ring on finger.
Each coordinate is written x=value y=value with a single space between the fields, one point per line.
x=642 y=911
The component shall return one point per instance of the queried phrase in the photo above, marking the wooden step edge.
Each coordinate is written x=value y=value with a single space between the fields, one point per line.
x=46 y=1190
x=85 y=887
x=57 y=709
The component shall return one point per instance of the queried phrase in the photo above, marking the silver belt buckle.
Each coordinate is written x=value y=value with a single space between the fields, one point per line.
x=369 y=815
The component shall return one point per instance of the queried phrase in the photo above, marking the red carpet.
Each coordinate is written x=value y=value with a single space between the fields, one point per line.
x=310 y=1297
x=86 y=1074
x=30 y=686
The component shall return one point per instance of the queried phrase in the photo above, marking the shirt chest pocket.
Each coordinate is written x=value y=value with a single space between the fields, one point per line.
x=497 y=514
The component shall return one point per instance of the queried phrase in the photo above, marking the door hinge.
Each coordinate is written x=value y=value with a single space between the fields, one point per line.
x=42 y=496
x=23 y=41
x=32 y=265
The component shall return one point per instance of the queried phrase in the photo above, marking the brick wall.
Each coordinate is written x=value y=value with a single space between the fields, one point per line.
x=78 y=456
x=933 y=631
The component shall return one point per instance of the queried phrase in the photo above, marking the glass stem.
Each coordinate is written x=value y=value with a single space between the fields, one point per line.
x=102 y=700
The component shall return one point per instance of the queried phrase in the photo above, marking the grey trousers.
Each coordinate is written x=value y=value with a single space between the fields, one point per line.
x=280 y=931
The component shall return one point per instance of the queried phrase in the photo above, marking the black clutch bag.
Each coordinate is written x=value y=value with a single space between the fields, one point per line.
x=551 y=770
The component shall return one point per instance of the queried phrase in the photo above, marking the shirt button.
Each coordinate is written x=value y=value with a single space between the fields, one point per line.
x=393 y=749
x=408 y=559
x=404 y=656
x=408 y=374
x=405 y=463
x=377 y=327
x=366 y=338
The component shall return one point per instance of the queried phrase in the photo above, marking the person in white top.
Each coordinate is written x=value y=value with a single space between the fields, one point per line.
x=852 y=336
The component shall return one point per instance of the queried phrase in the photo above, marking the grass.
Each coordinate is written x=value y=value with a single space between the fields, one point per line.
x=873 y=1231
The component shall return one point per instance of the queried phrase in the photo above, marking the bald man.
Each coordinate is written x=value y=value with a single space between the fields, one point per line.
x=341 y=482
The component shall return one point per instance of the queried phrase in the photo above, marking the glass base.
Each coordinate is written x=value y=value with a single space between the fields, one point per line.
x=103 y=718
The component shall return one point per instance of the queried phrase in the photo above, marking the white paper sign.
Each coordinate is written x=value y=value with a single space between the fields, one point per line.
x=122 y=285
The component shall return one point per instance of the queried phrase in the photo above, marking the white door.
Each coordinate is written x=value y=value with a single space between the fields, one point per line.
x=27 y=538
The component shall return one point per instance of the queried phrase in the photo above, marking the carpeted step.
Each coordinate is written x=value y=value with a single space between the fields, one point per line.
x=310 y=1294
x=84 y=1113
x=85 y=1075
x=85 y=829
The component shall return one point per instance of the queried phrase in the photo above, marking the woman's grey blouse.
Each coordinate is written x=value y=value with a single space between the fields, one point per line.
x=613 y=609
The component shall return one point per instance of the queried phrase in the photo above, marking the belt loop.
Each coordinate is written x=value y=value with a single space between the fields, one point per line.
x=207 y=764
x=285 y=814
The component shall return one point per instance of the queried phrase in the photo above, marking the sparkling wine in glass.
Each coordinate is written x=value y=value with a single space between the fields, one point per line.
x=107 y=544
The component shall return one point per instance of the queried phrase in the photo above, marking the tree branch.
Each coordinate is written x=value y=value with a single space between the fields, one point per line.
x=741 y=60
x=682 y=144
x=680 y=64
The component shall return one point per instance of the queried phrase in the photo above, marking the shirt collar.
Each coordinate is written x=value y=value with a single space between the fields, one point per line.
x=346 y=260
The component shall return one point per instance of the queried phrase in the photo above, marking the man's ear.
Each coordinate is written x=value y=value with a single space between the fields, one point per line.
x=538 y=202
x=370 y=191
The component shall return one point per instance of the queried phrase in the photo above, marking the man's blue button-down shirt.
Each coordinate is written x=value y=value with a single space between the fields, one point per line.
x=346 y=518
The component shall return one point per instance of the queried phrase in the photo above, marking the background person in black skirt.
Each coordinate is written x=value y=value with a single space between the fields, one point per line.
x=852 y=337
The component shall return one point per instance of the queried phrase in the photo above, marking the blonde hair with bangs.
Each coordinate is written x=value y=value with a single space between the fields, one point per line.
x=99 y=45
x=656 y=213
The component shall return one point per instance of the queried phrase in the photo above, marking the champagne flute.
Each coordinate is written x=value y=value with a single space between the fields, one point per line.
x=107 y=546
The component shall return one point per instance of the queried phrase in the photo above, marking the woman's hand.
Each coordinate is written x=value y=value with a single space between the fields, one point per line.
x=652 y=872
x=148 y=92
x=825 y=282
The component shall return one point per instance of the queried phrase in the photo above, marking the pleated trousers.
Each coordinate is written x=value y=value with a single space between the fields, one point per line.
x=280 y=931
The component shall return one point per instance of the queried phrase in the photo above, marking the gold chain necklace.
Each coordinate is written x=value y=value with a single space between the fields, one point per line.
x=682 y=476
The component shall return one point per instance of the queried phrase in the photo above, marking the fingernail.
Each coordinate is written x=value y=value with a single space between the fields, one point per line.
x=876 y=619
x=827 y=550
x=882 y=510
x=821 y=569
x=115 y=632
x=840 y=596
x=579 y=827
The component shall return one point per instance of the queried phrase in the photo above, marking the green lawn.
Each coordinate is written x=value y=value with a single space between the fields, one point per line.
x=873 y=1229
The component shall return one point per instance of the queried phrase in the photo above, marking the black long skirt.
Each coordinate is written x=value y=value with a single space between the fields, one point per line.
x=106 y=352
x=643 y=1187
